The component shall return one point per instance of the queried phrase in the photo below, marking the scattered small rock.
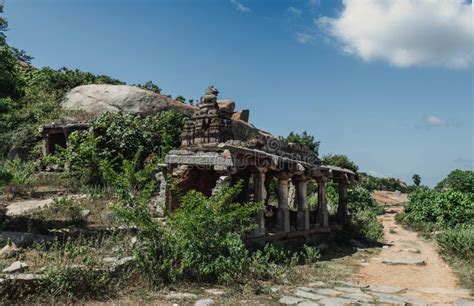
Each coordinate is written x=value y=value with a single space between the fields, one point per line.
x=133 y=241
x=181 y=295
x=17 y=266
x=8 y=251
x=351 y=284
x=327 y=291
x=385 y=247
x=360 y=297
x=109 y=260
x=336 y=301
x=290 y=300
x=215 y=291
x=460 y=292
x=85 y=213
x=404 y=261
x=463 y=303
x=204 y=302
x=317 y=284
x=385 y=289
x=308 y=295
x=348 y=289
x=413 y=250
x=121 y=265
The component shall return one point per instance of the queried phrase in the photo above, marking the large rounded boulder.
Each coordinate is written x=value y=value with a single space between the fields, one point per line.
x=89 y=101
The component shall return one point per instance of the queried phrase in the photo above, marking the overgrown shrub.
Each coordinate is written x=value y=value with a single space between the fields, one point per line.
x=359 y=199
x=457 y=241
x=16 y=176
x=363 y=212
x=64 y=207
x=115 y=137
x=446 y=209
x=458 y=180
x=202 y=240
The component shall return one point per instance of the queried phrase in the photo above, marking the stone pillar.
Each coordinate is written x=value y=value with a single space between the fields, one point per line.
x=283 y=214
x=342 y=215
x=222 y=182
x=302 y=216
x=259 y=196
x=322 y=214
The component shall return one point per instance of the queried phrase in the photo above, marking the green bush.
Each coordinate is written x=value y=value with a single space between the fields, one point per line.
x=76 y=282
x=363 y=212
x=202 y=239
x=446 y=209
x=371 y=183
x=458 y=180
x=16 y=176
x=359 y=199
x=115 y=137
x=64 y=207
x=457 y=241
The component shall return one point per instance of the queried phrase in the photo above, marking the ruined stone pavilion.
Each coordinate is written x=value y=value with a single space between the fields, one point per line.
x=217 y=150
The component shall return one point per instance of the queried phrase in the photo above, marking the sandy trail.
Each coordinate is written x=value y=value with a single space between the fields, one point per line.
x=434 y=281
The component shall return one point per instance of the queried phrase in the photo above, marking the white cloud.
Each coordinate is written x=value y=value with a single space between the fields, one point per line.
x=405 y=32
x=294 y=11
x=432 y=120
x=240 y=7
x=303 y=38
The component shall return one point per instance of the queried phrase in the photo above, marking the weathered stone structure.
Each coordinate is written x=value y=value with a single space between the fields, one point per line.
x=217 y=150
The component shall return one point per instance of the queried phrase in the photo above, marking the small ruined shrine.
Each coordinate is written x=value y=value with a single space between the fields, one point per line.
x=217 y=149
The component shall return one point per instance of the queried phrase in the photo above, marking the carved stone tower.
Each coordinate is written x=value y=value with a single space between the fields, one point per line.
x=209 y=126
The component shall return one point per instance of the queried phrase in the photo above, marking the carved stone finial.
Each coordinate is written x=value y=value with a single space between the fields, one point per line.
x=209 y=100
x=211 y=90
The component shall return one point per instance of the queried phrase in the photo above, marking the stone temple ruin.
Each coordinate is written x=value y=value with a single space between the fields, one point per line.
x=216 y=151
x=220 y=147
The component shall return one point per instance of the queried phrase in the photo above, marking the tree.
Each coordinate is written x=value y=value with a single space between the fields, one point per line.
x=180 y=98
x=305 y=139
x=339 y=160
x=459 y=180
x=149 y=85
x=8 y=72
x=416 y=180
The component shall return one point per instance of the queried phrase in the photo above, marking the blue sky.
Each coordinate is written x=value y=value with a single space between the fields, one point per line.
x=373 y=79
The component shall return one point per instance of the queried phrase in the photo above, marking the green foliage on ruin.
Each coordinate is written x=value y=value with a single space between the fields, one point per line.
x=306 y=139
x=115 y=137
x=202 y=240
x=339 y=160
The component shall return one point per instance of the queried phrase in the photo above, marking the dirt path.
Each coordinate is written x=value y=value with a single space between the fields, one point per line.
x=409 y=262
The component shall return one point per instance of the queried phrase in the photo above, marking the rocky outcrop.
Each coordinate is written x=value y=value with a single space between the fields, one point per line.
x=89 y=101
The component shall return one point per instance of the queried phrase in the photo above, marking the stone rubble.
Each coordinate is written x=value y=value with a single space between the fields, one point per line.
x=15 y=267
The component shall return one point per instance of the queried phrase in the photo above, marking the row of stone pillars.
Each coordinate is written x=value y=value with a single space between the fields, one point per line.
x=303 y=213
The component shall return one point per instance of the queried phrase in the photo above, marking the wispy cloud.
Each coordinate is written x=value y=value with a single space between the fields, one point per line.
x=433 y=120
x=405 y=33
x=240 y=7
x=303 y=38
x=294 y=11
